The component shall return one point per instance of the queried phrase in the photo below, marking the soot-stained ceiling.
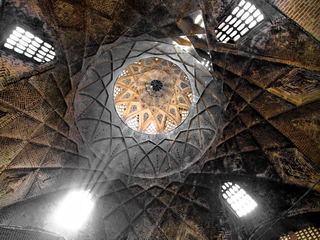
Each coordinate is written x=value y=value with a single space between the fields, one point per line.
x=253 y=120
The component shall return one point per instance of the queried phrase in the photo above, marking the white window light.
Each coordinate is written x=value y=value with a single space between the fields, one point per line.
x=151 y=129
x=117 y=91
x=121 y=108
x=183 y=114
x=169 y=125
x=74 y=210
x=199 y=20
x=240 y=21
x=238 y=199
x=134 y=122
x=24 y=42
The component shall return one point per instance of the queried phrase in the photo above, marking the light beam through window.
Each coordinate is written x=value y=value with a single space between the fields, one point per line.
x=74 y=210
x=238 y=199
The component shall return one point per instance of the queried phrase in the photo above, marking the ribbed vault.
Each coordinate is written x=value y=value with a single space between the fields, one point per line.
x=153 y=95
x=267 y=139
x=120 y=143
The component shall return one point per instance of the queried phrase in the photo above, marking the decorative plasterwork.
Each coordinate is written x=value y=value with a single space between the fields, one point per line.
x=153 y=95
x=135 y=153
x=299 y=86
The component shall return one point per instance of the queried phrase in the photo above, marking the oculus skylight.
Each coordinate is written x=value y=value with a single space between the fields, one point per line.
x=238 y=199
x=308 y=233
x=27 y=44
x=239 y=22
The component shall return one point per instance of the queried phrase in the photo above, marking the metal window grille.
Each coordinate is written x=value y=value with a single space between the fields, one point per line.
x=238 y=199
x=25 y=43
x=239 y=22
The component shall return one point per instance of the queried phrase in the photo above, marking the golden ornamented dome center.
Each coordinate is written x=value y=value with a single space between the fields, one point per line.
x=153 y=95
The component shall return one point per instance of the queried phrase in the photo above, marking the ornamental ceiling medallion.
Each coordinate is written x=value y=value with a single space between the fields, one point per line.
x=147 y=109
x=153 y=95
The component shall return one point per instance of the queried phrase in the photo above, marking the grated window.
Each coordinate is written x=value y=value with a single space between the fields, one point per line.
x=27 y=44
x=170 y=125
x=308 y=233
x=183 y=113
x=207 y=64
x=117 y=91
x=151 y=129
x=238 y=23
x=134 y=122
x=121 y=108
x=238 y=199
x=124 y=73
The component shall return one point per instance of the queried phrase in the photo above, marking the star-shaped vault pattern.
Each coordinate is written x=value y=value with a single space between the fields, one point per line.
x=139 y=154
x=153 y=95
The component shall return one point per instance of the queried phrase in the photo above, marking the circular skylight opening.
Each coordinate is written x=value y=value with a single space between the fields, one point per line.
x=153 y=96
x=156 y=85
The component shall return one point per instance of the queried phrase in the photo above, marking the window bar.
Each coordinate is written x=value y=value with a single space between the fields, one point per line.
x=238 y=199
x=243 y=18
x=25 y=43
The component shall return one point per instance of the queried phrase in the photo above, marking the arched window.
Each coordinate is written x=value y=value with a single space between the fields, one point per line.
x=237 y=198
x=238 y=22
x=26 y=43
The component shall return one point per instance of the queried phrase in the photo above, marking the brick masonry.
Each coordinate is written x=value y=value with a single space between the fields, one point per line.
x=305 y=13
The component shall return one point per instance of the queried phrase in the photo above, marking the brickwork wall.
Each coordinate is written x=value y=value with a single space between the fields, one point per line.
x=305 y=13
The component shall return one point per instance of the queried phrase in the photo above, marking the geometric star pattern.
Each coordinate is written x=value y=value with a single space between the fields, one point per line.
x=261 y=124
x=137 y=212
x=153 y=96
x=135 y=153
x=34 y=139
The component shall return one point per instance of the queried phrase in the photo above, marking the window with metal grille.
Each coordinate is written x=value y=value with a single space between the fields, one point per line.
x=27 y=44
x=308 y=233
x=237 y=198
x=244 y=17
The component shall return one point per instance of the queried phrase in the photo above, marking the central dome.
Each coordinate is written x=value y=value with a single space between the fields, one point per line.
x=153 y=95
x=126 y=89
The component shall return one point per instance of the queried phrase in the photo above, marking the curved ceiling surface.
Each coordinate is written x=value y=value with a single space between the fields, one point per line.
x=153 y=95
x=132 y=152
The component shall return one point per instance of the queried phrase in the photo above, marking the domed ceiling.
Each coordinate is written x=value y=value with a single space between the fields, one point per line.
x=250 y=116
x=148 y=116
x=153 y=96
